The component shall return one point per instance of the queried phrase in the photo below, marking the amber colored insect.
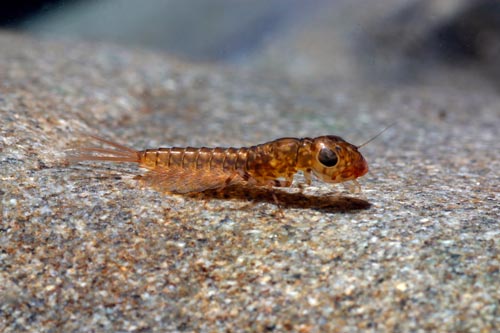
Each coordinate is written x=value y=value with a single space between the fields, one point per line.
x=187 y=170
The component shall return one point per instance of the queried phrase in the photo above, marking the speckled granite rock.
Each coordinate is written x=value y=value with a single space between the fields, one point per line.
x=85 y=248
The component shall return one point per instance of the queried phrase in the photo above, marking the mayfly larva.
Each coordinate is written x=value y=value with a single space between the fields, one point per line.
x=187 y=170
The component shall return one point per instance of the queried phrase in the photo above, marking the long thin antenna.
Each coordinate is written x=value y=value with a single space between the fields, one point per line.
x=377 y=135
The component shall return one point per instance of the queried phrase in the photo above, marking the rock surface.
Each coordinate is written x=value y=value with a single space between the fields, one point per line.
x=85 y=248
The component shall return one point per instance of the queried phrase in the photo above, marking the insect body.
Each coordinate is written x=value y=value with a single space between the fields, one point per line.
x=186 y=170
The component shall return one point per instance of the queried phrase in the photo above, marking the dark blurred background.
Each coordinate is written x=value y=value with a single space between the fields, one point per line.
x=387 y=40
x=211 y=30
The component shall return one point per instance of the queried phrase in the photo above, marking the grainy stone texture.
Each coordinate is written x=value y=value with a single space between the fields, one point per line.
x=85 y=248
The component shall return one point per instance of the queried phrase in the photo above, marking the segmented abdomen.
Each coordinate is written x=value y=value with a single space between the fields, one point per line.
x=227 y=159
x=265 y=161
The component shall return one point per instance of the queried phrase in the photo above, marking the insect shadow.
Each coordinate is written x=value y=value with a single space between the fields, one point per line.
x=255 y=195
x=299 y=200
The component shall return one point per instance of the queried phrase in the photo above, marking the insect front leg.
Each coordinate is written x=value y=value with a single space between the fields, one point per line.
x=308 y=177
x=353 y=187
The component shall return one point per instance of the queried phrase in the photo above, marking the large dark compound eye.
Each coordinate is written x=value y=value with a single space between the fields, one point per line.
x=327 y=157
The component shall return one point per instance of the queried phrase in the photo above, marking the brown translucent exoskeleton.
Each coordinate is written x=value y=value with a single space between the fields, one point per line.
x=187 y=170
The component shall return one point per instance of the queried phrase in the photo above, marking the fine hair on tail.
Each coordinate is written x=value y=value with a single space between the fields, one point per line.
x=119 y=153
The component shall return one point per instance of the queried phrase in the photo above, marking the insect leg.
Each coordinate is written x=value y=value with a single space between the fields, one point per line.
x=353 y=187
x=280 y=183
x=229 y=180
x=265 y=181
x=247 y=177
x=357 y=186
x=308 y=177
x=276 y=201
